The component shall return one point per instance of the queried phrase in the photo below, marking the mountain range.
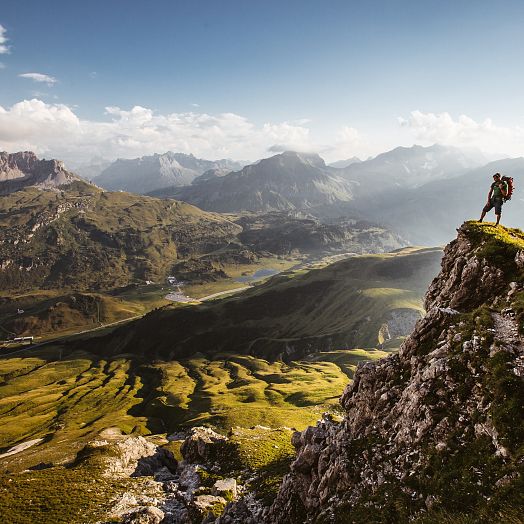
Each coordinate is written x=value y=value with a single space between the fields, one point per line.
x=430 y=213
x=58 y=231
x=290 y=181
x=408 y=167
x=286 y=181
x=145 y=174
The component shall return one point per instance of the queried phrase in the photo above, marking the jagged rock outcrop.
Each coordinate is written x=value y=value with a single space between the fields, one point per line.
x=193 y=490
x=201 y=444
x=23 y=169
x=131 y=456
x=437 y=426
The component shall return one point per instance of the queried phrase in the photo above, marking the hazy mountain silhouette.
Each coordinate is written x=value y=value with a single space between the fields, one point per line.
x=145 y=174
x=285 y=181
x=429 y=214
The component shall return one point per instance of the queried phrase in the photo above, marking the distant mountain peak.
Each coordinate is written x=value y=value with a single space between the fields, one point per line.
x=312 y=159
x=341 y=164
x=286 y=181
x=24 y=168
x=158 y=171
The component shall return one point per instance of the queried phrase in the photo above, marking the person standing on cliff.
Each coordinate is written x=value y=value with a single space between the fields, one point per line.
x=497 y=192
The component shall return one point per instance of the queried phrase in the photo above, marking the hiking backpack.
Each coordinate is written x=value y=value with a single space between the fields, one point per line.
x=511 y=187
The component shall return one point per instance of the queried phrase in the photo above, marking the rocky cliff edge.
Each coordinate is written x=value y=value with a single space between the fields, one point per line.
x=436 y=431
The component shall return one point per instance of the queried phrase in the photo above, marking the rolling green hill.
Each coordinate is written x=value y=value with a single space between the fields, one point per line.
x=70 y=401
x=84 y=238
x=224 y=371
x=358 y=302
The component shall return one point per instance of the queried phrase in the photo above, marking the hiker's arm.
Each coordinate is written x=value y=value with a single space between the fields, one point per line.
x=489 y=194
x=504 y=189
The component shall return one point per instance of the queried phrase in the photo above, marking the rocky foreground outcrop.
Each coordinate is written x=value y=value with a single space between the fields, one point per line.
x=437 y=428
x=149 y=486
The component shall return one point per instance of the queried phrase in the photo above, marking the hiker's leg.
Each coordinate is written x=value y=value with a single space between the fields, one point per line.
x=498 y=210
x=485 y=209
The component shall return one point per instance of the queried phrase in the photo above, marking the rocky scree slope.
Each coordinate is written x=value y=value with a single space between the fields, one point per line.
x=437 y=429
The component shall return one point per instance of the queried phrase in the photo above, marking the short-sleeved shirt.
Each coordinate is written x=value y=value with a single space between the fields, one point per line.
x=497 y=193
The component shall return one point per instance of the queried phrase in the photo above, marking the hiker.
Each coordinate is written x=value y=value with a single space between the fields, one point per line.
x=497 y=193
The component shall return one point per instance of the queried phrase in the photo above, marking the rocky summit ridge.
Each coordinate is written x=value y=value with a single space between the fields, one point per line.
x=434 y=433
x=23 y=169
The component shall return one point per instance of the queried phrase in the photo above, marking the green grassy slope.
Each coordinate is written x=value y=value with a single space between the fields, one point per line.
x=83 y=238
x=343 y=305
x=70 y=401
x=70 y=393
x=46 y=314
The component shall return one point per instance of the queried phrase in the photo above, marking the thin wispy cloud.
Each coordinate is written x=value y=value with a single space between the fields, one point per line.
x=195 y=105
x=2 y=65
x=40 y=78
x=4 y=48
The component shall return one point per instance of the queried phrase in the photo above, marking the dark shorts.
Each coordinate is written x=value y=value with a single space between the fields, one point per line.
x=494 y=203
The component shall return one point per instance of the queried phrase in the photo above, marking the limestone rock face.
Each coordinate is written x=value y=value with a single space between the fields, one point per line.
x=147 y=515
x=200 y=445
x=157 y=172
x=465 y=281
x=19 y=170
x=423 y=429
x=131 y=456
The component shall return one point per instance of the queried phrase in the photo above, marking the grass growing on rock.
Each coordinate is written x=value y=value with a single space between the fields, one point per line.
x=56 y=495
x=261 y=453
x=497 y=244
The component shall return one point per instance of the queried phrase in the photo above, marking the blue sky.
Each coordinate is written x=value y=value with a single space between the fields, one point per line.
x=333 y=72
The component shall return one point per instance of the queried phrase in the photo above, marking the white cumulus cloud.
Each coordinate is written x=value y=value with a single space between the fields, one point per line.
x=4 y=48
x=54 y=130
x=349 y=142
x=40 y=77
x=464 y=132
